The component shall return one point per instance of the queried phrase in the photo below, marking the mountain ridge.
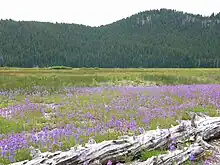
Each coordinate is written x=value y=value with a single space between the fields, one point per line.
x=155 y=38
x=141 y=12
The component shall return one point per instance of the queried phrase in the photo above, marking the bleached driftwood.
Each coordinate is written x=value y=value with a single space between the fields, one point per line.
x=200 y=130
x=177 y=156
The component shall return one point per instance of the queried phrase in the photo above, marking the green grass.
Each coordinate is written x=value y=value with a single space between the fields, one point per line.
x=163 y=122
x=5 y=102
x=55 y=78
x=20 y=156
x=148 y=154
x=7 y=126
x=210 y=111
x=25 y=78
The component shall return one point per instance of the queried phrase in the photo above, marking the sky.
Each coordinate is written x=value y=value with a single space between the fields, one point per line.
x=96 y=12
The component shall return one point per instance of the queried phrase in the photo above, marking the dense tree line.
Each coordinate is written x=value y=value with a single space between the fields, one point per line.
x=156 y=38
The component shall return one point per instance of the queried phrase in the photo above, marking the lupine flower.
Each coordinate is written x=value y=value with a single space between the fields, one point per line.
x=109 y=162
x=172 y=147
x=156 y=103
x=208 y=162
x=192 y=157
x=141 y=130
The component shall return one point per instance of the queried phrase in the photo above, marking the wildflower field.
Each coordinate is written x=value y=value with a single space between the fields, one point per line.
x=56 y=109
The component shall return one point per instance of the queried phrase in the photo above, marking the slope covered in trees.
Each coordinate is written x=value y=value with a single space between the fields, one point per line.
x=156 y=38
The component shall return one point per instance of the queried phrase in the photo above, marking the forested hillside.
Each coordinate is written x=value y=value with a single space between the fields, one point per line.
x=157 y=38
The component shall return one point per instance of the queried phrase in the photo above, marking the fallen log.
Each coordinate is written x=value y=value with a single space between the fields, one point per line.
x=200 y=130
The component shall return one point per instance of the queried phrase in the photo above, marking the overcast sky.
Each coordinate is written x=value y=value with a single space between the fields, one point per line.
x=96 y=12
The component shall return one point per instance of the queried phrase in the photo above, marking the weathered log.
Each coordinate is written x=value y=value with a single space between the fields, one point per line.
x=203 y=128
x=177 y=157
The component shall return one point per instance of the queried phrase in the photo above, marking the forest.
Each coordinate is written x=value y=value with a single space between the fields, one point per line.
x=150 y=39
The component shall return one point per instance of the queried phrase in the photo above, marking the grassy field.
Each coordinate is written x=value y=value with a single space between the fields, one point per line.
x=11 y=78
x=56 y=109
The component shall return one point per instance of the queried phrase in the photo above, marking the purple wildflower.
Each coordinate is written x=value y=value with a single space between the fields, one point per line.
x=192 y=157
x=109 y=162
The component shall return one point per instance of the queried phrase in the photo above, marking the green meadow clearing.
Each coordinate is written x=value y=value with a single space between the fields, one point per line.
x=23 y=78
x=53 y=101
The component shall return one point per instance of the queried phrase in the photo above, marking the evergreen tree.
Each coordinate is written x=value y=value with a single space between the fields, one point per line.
x=155 y=38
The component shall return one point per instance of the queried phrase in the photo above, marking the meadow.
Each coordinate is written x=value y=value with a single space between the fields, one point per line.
x=55 y=109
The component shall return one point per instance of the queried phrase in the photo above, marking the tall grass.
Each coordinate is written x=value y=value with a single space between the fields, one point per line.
x=11 y=78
